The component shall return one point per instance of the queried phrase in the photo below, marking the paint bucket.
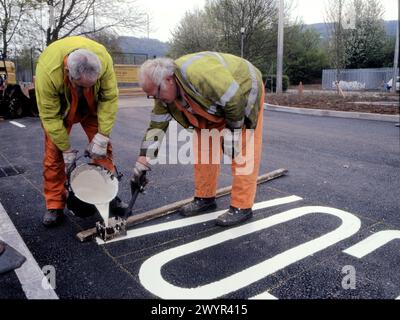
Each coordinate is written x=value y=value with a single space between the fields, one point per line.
x=91 y=188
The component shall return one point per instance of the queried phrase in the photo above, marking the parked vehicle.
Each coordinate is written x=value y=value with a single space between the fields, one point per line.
x=15 y=100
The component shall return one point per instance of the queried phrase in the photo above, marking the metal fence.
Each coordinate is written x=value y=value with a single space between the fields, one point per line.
x=357 y=79
x=129 y=58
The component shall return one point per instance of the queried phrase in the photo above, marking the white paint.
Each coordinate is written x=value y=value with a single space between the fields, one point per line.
x=29 y=274
x=181 y=223
x=15 y=123
x=372 y=243
x=264 y=296
x=104 y=210
x=150 y=271
x=95 y=185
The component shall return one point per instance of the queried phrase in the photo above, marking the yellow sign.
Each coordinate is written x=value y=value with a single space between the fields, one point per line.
x=8 y=68
x=127 y=73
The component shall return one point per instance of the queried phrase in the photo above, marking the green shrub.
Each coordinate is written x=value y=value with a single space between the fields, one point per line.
x=272 y=78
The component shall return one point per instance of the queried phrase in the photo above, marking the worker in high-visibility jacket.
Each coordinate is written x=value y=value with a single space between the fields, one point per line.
x=75 y=83
x=214 y=93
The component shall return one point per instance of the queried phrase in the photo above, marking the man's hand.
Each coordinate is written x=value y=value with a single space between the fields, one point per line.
x=69 y=157
x=97 y=148
x=139 y=172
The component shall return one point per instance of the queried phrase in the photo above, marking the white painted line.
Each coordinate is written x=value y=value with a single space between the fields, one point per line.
x=181 y=223
x=264 y=296
x=372 y=243
x=29 y=274
x=150 y=271
x=15 y=123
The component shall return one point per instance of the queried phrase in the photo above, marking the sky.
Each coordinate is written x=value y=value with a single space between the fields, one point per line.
x=166 y=14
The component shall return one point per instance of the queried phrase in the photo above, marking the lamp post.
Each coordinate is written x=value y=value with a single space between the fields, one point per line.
x=32 y=71
x=94 y=18
x=148 y=26
x=242 y=30
x=396 y=58
x=279 y=66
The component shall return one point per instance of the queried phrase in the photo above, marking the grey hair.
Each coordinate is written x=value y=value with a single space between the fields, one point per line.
x=83 y=63
x=157 y=70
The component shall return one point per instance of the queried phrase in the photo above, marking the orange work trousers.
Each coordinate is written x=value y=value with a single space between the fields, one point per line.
x=54 y=169
x=244 y=184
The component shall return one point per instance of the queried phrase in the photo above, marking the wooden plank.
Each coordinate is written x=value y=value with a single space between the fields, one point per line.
x=170 y=208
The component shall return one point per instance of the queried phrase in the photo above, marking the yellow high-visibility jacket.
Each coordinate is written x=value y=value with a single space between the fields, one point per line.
x=222 y=84
x=51 y=90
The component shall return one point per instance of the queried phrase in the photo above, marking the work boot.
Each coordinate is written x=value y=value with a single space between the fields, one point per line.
x=234 y=216
x=53 y=217
x=118 y=208
x=197 y=206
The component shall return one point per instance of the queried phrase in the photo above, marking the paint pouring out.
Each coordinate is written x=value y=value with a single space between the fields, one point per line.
x=104 y=210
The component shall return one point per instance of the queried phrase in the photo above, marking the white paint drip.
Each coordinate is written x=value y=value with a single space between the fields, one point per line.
x=181 y=223
x=372 y=243
x=150 y=271
x=104 y=210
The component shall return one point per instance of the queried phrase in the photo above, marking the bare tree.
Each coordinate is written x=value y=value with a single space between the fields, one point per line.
x=193 y=34
x=12 y=12
x=335 y=12
x=255 y=16
x=108 y=39
x=84 y=17
x=218 y=27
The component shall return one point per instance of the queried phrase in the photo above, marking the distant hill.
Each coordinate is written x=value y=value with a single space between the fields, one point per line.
x=151 y=47
x=154 y=47
x=323 y=29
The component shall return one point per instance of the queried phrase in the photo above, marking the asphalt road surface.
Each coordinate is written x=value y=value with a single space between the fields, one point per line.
x=329 y=229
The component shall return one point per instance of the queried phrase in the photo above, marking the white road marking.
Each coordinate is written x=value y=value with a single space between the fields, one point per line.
x=264 y=296
x=29 y=274
x=134 y=233
x=150 y=271
x=372 y=243
x=15 y=123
